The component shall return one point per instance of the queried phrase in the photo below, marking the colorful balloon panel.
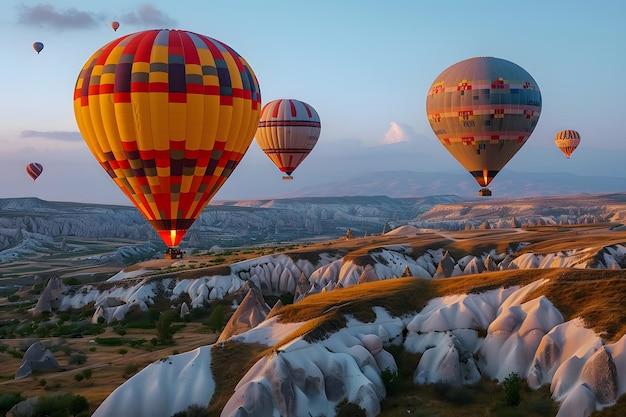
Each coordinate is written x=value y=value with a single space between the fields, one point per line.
x=288 y=131
x=168 y=114
x=483 y=110
x=34 y=170
x=567 y=141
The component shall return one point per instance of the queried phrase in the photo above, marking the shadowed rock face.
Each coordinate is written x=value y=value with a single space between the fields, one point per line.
x=252 y=311
x=36 y=358
x=546 y=359
x=368 y=274
x=600 y=375
x=50 y=298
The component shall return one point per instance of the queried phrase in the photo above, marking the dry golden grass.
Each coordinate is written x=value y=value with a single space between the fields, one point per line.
x=107 y=365
x=229 y=363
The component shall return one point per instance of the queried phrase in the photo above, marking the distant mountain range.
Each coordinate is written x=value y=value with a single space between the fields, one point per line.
x=39 y=226
x=508 y=184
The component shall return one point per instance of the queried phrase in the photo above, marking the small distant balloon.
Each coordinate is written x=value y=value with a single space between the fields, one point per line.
x=38 y=46
x=34 y=170
x=115 y=25
x=567 y=141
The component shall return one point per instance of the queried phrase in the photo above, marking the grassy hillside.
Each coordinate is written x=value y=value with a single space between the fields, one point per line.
x=597 y=296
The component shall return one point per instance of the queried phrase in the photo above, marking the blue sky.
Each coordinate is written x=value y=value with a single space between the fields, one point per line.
x=365 y=66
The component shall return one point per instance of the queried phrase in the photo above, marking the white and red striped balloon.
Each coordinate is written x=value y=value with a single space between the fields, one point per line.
x=287 y=132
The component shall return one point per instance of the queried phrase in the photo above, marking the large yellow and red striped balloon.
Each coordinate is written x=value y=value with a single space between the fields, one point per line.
x=483 y=111
x=287 y=132
x=168 y=114
x=567 y=141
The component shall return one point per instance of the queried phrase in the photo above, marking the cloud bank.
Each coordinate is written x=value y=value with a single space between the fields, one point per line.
x=66 y=136
x=47 y=16
x=148 y=15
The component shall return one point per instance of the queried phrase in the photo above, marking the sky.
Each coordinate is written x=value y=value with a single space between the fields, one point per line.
x=365 y=66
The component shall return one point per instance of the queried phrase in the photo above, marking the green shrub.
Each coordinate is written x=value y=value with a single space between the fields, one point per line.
x=135 y=343
x=77 y=359
x=60 y=405
x=392 y=381
x=130 y=369
x=79 y=377
x=194 y=410
x=71 y=281
x=110 y=341
x=286 y=298
x=217 y=319
x=87 y=373
x=512 y=387
x=7 y=401
x=78 y=404
x=164 y=330
x=13 y=298
x=346 y=409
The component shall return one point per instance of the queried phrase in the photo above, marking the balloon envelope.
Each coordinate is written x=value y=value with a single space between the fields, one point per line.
x=115 y=25
x=38 y=46
x=34 y=170
x=567 y=141
x=168 y=114
x=483 y=111
x=287 y=132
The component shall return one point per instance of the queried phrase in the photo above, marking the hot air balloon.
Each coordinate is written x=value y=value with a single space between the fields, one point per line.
x=38 y=46
x=168 y=114
x=567 y=141
x=287 y=132
x=483 y=110
x=115 y=25
x=34 y=170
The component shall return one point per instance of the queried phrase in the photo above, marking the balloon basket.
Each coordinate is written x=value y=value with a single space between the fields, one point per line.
x=173 y=253
x=484 y=192
x=287 y=178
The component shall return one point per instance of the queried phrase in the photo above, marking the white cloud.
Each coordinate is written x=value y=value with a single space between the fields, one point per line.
x=148 y=15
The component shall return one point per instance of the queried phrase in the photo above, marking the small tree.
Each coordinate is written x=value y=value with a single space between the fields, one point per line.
x=164 y=329
x=78 y=404
x=512 y=387
x=217 y=319
x=77 y=359
x=7 y=401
